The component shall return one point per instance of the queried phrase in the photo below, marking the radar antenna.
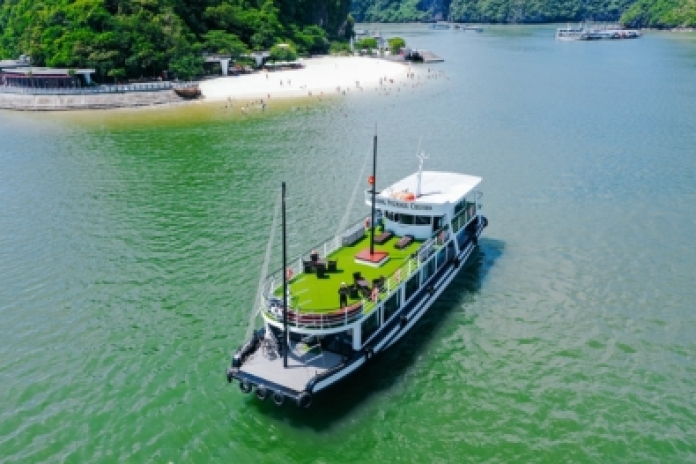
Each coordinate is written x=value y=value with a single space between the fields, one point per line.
x=421 y=157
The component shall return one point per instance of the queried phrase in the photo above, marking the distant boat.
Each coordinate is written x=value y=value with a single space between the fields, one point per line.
x=582 y=32
x=440 y=26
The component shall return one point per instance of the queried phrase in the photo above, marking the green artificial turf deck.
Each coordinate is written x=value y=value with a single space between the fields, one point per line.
x=309 y=293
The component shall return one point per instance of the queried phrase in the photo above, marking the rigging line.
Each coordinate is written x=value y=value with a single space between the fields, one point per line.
x=264 y=271
x=344 y=220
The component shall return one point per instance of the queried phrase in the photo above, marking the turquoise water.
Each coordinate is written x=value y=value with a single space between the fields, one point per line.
x=131 y=244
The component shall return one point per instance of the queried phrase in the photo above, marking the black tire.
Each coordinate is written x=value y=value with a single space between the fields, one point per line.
x=245 y=386
x=278 y=398
x=261 y=392
x=304 y=400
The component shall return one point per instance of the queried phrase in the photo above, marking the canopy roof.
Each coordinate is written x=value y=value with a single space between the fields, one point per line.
x=436 y=187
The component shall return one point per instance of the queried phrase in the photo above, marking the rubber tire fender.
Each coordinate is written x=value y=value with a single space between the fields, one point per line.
x=261 y=392
x=278 y=398
x=369 y=354
x=304 y=400
x=245 y=386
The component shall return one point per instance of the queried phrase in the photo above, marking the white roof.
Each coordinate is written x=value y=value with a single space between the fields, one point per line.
x=436 y=187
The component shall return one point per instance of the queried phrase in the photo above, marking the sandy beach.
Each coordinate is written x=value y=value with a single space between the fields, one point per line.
x=320 y=76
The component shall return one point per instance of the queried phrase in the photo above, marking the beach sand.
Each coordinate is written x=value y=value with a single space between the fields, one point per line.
x=320 y=76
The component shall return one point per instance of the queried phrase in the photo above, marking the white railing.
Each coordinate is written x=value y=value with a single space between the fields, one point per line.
x=100 y=89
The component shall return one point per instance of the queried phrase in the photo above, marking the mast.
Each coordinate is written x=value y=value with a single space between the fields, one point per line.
x=374 y=190
x=285 y=290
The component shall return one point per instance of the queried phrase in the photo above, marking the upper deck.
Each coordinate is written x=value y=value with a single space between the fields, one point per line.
x=437 y=193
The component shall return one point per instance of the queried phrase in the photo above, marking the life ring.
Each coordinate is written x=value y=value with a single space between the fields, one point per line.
x=371 y=180
x=245 y=386
x=304 y=400
x=288 y=273
x=261 y=392
x=369 y=354
x=398 y=275
x=375 y=294
x=278 y=398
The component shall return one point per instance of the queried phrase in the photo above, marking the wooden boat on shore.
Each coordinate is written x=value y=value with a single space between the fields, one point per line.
x=188 y=92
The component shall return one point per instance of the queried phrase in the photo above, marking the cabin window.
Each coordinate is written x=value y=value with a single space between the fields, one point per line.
x=437 y=222
x=412 y=285
x=391 y=305
x=406 y=219
x=441 y=257
x=370 y=325
x=423 y=220
x=461 y=237
x=428 y=270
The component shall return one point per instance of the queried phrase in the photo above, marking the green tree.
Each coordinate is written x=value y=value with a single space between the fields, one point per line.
x=283 y=52
x=396 y=44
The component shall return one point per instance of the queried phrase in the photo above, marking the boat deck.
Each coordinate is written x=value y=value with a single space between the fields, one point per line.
x=301 y=367
x=310 y=293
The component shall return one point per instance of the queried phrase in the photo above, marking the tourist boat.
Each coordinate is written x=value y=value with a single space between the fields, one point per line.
x=569 y=33
x=331 y=310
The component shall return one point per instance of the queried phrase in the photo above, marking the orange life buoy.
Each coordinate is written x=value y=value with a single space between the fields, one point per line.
x=371 y=180
x=288 y=273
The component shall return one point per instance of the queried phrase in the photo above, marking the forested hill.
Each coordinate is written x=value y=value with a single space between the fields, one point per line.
x=490 y=11
x=655 y=13
x=145 y=37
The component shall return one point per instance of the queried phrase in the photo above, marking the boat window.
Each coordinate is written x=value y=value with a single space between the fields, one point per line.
x=441 y=258
x=389 y=215
x=406 y=219
x=370 y=325
x=412 y=285
x=391 y=305
x=428 y=270
x=422 y=220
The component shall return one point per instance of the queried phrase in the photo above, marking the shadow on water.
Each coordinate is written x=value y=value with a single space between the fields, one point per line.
x=332 y=405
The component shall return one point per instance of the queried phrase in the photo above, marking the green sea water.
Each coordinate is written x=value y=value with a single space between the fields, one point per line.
x=131 y=245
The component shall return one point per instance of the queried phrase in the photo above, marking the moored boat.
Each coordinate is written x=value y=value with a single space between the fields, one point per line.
x=330 y=310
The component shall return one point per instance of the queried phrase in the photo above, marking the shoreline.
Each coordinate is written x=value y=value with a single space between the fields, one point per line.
x=321 y=77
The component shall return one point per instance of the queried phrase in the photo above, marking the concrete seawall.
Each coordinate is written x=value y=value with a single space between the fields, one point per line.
x=26 y=102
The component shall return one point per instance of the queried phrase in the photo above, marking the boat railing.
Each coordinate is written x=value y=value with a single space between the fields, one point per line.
x=463 y=217
x=296 y=266
x=336 y=317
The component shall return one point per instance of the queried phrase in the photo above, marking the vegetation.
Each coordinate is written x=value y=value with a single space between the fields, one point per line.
x=396 y=44
x=661 y=13
x=134 y=38
x=496 y=11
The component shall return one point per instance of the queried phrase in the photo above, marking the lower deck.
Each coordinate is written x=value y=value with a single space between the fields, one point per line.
x=304 y=363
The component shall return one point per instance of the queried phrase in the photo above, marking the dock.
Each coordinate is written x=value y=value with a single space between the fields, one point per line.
x=430 y=57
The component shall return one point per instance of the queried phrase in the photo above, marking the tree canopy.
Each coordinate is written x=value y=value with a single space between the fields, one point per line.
x=136 y=38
